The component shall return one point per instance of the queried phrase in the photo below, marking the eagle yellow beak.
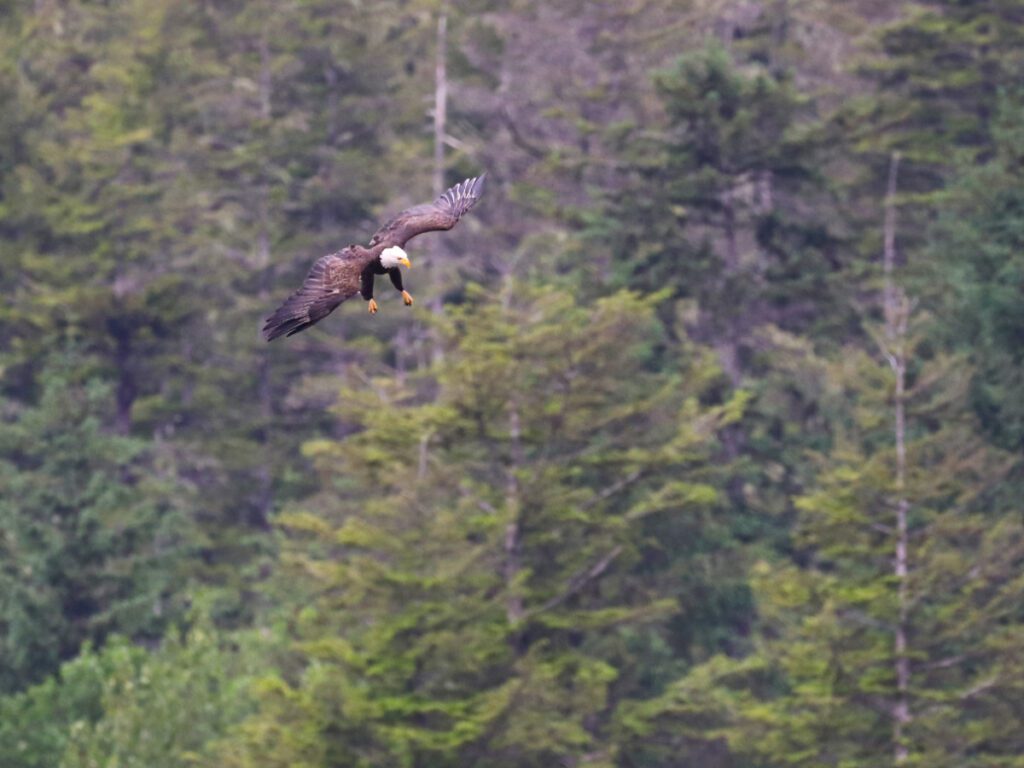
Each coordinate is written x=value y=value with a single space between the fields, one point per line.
x=404 y=260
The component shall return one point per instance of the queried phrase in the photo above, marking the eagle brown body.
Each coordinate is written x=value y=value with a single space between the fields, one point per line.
x=339 y=276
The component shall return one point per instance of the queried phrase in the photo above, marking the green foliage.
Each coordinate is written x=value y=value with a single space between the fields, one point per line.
x=163 y=709
x=94 y=534
x=944 y=65
x=470 y=559
x=708 y=212
x=840 y=663
x=821 y=688
x=979 y=264
x=35 y=724
x=127 y=706
x=627 y=502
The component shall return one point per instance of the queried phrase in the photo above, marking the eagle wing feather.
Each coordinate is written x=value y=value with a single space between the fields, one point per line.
x=334 y=278
x=442 y=214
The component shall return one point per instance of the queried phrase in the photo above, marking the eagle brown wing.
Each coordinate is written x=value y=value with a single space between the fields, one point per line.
x=332 y=279
x=443 y=213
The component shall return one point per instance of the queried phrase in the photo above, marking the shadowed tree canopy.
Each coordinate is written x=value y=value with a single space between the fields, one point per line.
x=704 y=452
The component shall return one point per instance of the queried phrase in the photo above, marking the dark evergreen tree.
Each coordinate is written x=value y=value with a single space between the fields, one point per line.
x=96 y=533
x=978 y=248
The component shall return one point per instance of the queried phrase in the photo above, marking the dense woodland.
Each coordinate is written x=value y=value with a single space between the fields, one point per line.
x=701 y=447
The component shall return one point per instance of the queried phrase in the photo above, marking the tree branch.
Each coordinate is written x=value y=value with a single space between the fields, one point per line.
x=578 y=582
x=517 y=137
x=612 y=489
x=979 y=688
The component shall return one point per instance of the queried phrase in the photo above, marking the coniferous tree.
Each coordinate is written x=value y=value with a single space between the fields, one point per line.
x=616 y=541
x=822 y=686
x=976 y=271
x=164 y=708
x=469 y=559
x=95 y=531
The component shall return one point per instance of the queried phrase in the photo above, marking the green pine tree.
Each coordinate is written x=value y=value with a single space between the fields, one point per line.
x=96 y=532
x=477 y=561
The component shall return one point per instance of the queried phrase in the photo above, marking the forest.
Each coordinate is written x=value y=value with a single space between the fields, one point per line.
x=698 y=449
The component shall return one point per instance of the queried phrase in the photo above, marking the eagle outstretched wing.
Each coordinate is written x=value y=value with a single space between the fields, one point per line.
x=443 y=213
x=332 y=279
x=337 y=277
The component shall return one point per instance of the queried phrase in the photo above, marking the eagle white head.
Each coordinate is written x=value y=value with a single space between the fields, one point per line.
x=392 y=256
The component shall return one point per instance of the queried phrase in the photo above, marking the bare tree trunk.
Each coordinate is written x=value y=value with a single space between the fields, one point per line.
x=732 y=256
x=264 y=489
x=435 y=252
x=264 y=479
x=727 y=345
x=440 y=98
x=513 y=507
x=327 y=218
x=897 y=310
x=126 y=390
x=780 y=31
x=889 y=249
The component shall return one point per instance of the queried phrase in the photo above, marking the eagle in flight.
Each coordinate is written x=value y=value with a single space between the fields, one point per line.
x=339 y=276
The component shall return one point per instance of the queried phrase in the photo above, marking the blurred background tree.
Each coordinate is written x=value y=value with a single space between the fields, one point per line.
x=622 y=490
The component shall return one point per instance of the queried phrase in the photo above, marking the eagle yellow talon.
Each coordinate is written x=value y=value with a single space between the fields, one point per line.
x=407 y=298
x=373 y=306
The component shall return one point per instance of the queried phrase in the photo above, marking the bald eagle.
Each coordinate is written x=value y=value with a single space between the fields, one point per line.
x=339 y=276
